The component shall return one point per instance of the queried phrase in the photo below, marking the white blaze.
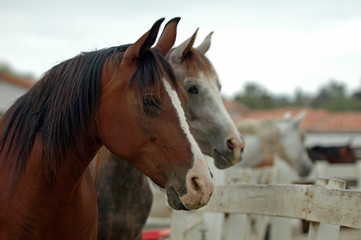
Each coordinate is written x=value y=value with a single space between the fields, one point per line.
x=182 y=119
x=195 y=197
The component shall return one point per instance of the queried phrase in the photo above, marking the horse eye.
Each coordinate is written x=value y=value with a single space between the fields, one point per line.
x=150 y=103
x=192 y=89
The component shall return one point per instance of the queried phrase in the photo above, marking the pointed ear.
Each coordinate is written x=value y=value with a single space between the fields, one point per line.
x=142 y=45
x=205 y=45
x=179 y=52
x=167 y=39
x=298 y=119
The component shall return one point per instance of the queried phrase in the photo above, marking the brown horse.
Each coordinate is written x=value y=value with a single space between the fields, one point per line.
x=125 y=98
x=124 y=202
x=333 y=154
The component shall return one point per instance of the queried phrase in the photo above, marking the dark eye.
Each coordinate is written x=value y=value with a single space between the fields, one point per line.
x=151 y=104
x=192 y=89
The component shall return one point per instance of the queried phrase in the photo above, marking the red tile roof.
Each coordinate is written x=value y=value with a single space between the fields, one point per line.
x=235 y=109
x=316 y=120
x=23 y=82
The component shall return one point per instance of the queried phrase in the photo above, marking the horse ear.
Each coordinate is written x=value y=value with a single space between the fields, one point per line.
x=297 y=120
x=143 y=44
x=179 y=52
x=205 y=45
x=167 y=39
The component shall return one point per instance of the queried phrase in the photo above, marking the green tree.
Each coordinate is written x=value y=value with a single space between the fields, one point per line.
x=4 y=68
x=301 y=99
x=333 y=96
x=255 y=96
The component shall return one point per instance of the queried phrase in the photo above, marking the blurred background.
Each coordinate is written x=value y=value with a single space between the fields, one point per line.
x=274 y=58
x=269 y=55
x=279 y=49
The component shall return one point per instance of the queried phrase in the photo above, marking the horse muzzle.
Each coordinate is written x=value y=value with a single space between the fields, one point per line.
x=231 y=155
x=196 y=193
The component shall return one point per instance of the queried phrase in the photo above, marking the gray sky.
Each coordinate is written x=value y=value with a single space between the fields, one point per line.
x=281 y=44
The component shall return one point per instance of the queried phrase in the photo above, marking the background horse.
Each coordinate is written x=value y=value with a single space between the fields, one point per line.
x=269 y=138
x=126 y=98
x=211 y=125
x=333 y=154
x=276 y=149
x=274 y=152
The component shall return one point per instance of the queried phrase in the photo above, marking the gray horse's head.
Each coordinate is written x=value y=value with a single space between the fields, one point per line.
x=210 y=122
x=293 y=148
x=280 y=137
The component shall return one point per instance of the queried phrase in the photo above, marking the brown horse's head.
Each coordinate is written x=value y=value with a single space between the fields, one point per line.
x=141 y=119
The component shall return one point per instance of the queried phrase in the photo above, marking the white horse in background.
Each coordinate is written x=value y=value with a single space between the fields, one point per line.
x=269 y=139
x=275 y=153
x=272 y=148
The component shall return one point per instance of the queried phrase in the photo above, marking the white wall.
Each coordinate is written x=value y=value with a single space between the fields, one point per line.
x=8 y=94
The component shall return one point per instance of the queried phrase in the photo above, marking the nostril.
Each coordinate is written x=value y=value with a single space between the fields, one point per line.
x=195 y=184
x=235 y=144
x=242 y=150
x=230 y=144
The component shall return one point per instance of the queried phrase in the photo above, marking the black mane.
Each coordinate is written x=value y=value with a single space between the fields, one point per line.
x=63 y=103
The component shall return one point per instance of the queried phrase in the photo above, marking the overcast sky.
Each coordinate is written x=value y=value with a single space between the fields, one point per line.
x=283 y=44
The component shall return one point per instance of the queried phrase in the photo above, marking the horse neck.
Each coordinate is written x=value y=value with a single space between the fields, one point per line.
x=101 y=158
x=280 y=135
x=253 y=153
x=107 y=166
x=270 y=135
x=284 y=128
x=72 y=165
x=267 y=132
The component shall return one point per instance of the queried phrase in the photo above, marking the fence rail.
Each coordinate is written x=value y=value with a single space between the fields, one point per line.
x=308 y=202
x=243 y=209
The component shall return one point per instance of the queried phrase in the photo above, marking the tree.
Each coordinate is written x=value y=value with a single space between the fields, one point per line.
x=255 y=96
x=301 y=99
x=333 y=97
x=4 y=68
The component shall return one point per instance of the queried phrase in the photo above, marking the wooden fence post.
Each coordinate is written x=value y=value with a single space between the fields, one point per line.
x=237 y=226
x=281 y=228
x=323 y=231
x=358 y=166
x=247 y=226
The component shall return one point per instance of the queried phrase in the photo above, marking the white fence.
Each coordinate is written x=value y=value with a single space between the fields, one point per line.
x=238 y=206
x=320 y=203
x=325 y=204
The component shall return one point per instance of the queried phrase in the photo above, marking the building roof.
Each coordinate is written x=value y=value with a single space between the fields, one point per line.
x=19 y=81
x=316 y=120
x=235 y=109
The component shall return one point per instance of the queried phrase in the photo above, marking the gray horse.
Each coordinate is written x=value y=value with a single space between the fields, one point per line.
x=124 y=195
x=280 y=137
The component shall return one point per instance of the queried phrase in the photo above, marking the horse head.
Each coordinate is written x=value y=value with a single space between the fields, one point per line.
x=141 y=119
x=292 y=145
x=210 y=122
